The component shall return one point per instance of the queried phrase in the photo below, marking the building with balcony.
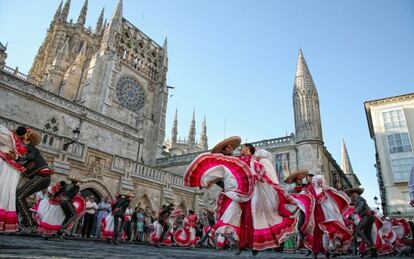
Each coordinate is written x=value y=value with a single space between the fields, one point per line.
x=391 y=127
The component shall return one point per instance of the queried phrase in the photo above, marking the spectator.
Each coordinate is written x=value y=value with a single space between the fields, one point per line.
x=104 y=208
x=88 y=220
x=140 y=224
x=128 y=224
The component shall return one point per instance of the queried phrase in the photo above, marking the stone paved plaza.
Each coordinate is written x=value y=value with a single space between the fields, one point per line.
x=13 y=246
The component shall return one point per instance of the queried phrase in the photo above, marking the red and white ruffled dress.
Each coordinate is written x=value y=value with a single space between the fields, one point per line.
x=156 y=235
x=380 y=244
x=252 y=208
x=9 y=177
x=49 y=214
x=329 y=231
x=186 y=236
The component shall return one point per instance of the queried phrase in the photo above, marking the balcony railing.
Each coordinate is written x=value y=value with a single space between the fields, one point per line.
x=17 y=73
x=132 y=168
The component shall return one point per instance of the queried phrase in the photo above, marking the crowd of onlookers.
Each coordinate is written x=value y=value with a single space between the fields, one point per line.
x=137 y=224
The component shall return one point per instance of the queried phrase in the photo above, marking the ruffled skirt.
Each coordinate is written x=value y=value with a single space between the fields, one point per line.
x=9 y=178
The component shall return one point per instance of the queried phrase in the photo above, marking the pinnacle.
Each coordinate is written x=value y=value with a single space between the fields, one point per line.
x=303 y=77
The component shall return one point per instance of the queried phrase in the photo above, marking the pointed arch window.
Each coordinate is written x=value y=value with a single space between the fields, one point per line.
x=51 y=127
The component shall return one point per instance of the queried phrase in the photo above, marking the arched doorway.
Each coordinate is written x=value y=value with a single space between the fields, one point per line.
x=145 y=203
x=183 y=208
x=88 y=192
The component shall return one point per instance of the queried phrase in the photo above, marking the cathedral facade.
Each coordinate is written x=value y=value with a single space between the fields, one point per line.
x=99 y=98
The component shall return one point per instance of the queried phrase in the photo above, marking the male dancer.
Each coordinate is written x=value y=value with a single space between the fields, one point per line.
x=364 y=227
x=68 y=193
x=118 y=209
x=297 y=179
x=38 y=172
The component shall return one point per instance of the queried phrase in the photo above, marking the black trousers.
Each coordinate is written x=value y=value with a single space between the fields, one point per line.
x=69 y=211
x=128 y=229
x=35 y=184
x=119 y=215
x=364 y=229
x=88 y=221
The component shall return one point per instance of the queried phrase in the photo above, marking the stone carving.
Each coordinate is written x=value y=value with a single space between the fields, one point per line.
x=96 y=167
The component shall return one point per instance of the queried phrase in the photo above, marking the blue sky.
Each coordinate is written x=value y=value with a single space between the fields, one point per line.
x=235 y=61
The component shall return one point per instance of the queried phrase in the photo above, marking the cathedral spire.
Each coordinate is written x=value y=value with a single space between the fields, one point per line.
x=203 y=136
x=345 y=161
x=306 y=104
x=99 y=23
x=165 y=56
x=116 y=20
x=174 y=130
x=65 y=11
x=303 y=79
x=58 y=12
x=83 y=13
x=115 y=27
x=192 y=132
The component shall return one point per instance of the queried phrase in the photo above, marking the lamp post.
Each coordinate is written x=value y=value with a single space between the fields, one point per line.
x=376 y=200
x=384 y=209
x=140 y=142
x=75 y=137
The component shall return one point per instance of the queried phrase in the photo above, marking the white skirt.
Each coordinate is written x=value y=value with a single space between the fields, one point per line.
x=49 y=217
x=9 y=178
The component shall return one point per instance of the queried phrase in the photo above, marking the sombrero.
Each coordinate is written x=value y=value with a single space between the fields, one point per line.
x=35 y=137
x=74 y=178
x=128 y=194
x=293 y=176
x=356 y=189
x=234 y=141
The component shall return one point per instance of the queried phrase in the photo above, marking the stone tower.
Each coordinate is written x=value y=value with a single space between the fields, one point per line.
x=203 y=137
x=192 y=132
x=115 y=70
x=346 y=166
x=307 y=121
x=174 y=130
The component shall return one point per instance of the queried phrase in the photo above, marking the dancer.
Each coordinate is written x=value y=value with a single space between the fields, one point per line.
x=207 y=229
x=186 y=235
x=305 y=204
x=237 y=212
x=162 y=228
x=11 y=148
x=111 y=226
x=68 y=194
x=244 y=234
x=329 y=233
x=39 y=174
x=271 y=219
x=49 y=213
x=263 y=157
x=365 y=225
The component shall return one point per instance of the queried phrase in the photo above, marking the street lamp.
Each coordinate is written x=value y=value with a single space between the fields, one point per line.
x=75 y=137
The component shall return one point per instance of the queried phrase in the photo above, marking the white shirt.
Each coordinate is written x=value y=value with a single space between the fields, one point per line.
x=91 y=207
